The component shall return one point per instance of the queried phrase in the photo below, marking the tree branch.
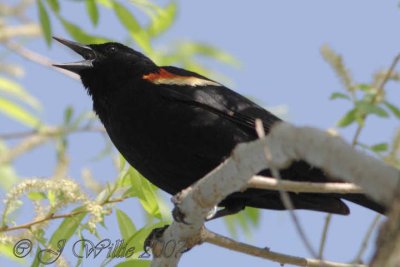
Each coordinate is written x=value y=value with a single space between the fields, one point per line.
x=36 y=138
x=26 y=30
x=54 y=217
x=379 y=91
x=265 y=253
x=327 y=152
x=51 y=131
x=37 y=58
x=285 y=198
x=270 y=183
x=316 y=147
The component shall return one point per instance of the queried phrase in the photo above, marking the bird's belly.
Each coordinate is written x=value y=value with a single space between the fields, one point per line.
x=174 y=146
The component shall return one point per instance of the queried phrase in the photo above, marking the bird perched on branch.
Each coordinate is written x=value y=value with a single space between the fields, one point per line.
x=174 y=126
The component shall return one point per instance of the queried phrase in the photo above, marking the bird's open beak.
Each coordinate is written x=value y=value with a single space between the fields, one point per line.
x=85 y=51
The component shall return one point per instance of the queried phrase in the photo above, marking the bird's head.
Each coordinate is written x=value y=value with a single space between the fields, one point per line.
x=106 y=62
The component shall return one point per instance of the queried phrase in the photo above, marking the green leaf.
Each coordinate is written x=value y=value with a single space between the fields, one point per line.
x=80 y=35
x=395 y=110
x=145 y=192
x=44 y=22
x=364 y=87
x=18 y=113
x=254 y=215
x=52 y=197
x=348 y=118
x=122 y=163
x=337 y=95
x=67 y=228
x=36 y=262
x=162 y=20
x=87 y=116
x=136 y=263
x=36 y=195
x=138 y=238
x=54 y=5
x=82 y=248
x=231 y=225
x=39 y=235
x=382 y=147
x=189 y=49
x=69 y=111
x=103 y=195
x=106 y=3
x=132 y=25
x=14 y=89
x=7 y=172
x=93 y=11
x=8 y=176
x=245 y=220
x=368 y=108
x=125 y=224
x=7 y=250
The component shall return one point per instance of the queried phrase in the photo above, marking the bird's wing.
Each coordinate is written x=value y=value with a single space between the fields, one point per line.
x=194 y=89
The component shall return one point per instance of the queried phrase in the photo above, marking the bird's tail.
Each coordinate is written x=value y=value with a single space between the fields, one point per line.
x=365 y=201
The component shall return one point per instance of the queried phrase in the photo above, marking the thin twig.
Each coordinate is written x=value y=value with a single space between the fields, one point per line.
x=26 y=30
x=270 y=183
x=51 y=131
x=357 y=134
x=37 y=58
x=368 y=235
x=322 y=243
x=375 y=97
x=54 y=217
x=360 y=126
x=25 y=145
x=264 y=253
x=36 y=138
x=16 y=135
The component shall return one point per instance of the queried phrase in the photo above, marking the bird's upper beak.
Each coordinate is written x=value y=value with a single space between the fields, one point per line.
x=85 y=51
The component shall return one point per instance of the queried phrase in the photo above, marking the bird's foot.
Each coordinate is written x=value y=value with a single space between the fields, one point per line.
x=177 y=214
x=154 y=235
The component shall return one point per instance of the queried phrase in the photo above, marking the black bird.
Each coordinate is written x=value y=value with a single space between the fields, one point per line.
x=174 y=126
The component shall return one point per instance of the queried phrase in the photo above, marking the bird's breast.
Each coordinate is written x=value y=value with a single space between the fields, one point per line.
x=169 y=142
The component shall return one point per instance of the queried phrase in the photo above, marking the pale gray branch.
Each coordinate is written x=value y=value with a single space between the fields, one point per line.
x=265 y=253
x=269 y=183
x=285 y=143
x=37 y=58
x=288 y=143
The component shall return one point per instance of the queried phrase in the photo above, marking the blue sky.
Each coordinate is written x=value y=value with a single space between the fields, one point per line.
x=278 y=44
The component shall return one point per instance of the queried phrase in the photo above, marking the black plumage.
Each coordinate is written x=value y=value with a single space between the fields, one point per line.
x=174 y=126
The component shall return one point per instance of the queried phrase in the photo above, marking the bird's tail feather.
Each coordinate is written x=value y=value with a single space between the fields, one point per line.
x=365 y=201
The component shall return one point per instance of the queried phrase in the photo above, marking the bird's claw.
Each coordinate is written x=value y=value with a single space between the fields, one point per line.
x=154 y=235
x=179 y=216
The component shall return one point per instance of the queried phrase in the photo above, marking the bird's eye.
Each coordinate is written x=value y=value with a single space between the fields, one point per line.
x=111 y=49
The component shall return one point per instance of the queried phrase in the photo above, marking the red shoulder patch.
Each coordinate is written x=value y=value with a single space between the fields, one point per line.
x=162 y=74
x=165 y=77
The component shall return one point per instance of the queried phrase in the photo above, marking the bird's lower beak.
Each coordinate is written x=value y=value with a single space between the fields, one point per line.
x=85 y=51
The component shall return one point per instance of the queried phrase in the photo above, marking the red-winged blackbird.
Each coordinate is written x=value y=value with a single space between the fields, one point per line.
x=174 y=126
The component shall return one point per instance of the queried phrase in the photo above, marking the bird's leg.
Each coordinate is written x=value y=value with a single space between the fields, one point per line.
x=155 y=234
x=154 y=237
x=178 y=215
